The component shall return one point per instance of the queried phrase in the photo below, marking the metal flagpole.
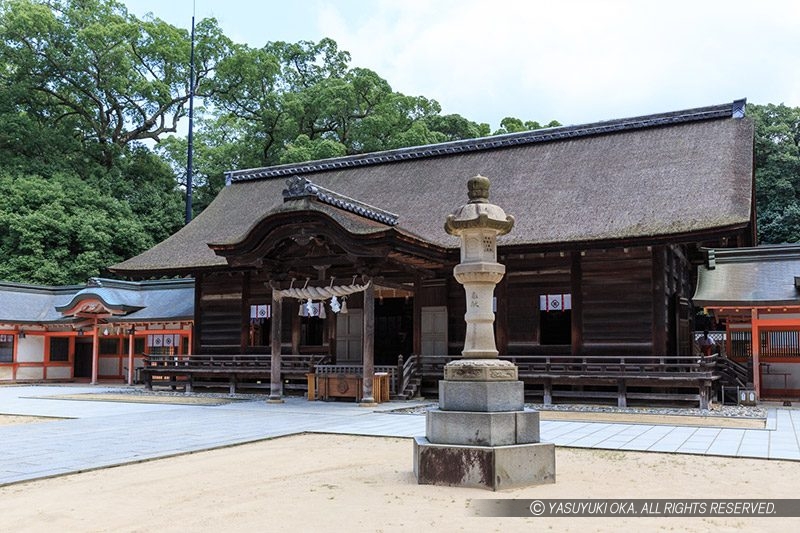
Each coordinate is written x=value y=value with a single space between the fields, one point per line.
x=189 y=162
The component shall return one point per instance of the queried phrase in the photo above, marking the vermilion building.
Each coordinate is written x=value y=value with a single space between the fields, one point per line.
x=100 y=331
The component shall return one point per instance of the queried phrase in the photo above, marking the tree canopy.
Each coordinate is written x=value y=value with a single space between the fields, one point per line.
x=117 y=78
x=293 y=102
x=777 y=159
x=55 y=230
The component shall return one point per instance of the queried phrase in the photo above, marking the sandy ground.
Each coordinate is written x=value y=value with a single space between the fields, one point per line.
x=137 y=398
x=6 y=420
x=343 y=483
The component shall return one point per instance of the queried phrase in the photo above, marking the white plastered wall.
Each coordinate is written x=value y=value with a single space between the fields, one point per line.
x=31 y=349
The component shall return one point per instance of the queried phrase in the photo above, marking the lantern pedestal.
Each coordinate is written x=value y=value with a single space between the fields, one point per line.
x=483 y=467
x=482 y=435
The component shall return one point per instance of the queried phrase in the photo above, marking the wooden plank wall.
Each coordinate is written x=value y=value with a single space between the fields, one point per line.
x=613 y=301
x=259 y=292
x=622 y=293
x=528 y=277
x=678 y=291
x=456 y=309
x=617 y=299
x=219 y=312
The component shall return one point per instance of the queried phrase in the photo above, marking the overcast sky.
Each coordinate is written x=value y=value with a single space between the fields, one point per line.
x=576 y=61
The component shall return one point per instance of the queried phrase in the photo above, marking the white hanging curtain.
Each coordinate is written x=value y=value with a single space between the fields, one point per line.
x=166 y=341
x=260 y=311
x=555 y=302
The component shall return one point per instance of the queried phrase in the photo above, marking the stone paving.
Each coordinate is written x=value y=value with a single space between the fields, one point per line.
x=97 y=434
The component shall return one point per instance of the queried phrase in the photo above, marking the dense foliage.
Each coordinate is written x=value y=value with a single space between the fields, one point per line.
x=293 y=102
x=54 y=230
x=777 y=159
x=92 y=167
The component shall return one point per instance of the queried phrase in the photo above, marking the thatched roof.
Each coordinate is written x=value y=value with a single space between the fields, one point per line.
x=632 y=179
x=750 y=277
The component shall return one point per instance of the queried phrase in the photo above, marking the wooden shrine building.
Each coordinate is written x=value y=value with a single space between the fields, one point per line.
x=610 y=217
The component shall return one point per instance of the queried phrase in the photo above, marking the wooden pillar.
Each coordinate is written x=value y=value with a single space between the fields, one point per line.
x=198 y=302
x=276 y=379
x=755 y=348
x=331 y=327
x=501 y=316
x=95 y=352
x=705 y=394
x=130 y=355
x=417 y=317
x=659 y=302
x=296 y=323
x=576 y=290
x=622 y=393
x=547 y=398
x=368 y=345
x=244 y=340
x=15 y=357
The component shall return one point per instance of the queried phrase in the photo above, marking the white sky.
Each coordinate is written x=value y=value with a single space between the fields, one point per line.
x=576 y=61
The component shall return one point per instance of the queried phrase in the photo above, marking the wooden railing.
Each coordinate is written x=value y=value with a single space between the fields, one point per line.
x=538 y=365
x=773 y=343
x=358 y=370
x=616 y=366
x=735 y=373
x=625 y=378
x=290 y=363
x=433 y=365
x=406 y=371
x=665 y=372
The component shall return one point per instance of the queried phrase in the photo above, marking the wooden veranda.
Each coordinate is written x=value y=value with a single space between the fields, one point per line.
x=548 y=379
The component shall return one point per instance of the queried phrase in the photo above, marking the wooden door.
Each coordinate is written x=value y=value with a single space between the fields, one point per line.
x=434 y=330
x=349 y=335
x=83 y=358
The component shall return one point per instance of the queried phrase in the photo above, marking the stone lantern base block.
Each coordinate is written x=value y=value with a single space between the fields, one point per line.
x=490 y=369
x=485 y=467
x=481 y=396
x=482 y=429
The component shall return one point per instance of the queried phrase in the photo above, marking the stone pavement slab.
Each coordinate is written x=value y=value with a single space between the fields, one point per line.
x=96 y=434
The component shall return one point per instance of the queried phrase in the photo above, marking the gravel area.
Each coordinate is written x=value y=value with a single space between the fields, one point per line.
x=181 y=394
x=730 y=411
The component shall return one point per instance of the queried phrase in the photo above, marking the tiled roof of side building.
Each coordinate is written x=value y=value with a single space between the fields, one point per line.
x=140 y=301
x=647 y=177
x=750 y=277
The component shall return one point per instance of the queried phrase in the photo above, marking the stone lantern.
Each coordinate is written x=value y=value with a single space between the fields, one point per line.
x=478 y=223
x=481 y=435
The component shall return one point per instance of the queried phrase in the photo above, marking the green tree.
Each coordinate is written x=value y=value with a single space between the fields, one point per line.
x=81 y=85
x=515 y=125
x=455 y=127
x=60 y=230
x=777 y=160
x=291 y=102
x=120 y=79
